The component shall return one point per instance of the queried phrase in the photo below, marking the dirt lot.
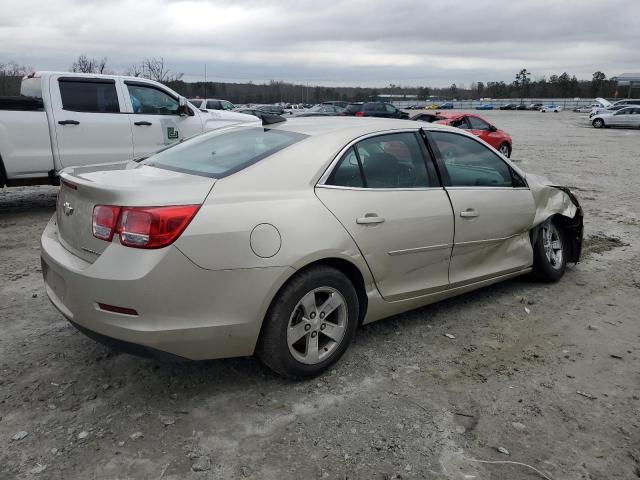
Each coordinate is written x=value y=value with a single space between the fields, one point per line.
x=405 y=401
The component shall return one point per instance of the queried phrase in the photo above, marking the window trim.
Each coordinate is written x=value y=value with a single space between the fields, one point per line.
x=107 y=81
x=321 y=183
x=446 y=179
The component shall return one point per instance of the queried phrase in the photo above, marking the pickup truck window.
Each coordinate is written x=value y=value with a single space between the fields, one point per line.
x=214 y=105
x=152 y=101
x=89 y=96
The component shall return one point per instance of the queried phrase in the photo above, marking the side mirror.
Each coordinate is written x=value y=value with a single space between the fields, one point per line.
x=492 y=128
x=183 y=108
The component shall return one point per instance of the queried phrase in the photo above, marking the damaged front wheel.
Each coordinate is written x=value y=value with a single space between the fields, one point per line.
x=550 y=252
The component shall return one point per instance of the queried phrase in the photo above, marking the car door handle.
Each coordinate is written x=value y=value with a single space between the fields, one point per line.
x=69 y=122
x=143 y=122
x=469 y=213
x=369 y=219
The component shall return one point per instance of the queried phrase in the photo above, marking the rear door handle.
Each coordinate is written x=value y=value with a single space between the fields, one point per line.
x=369 y=218
x=145 y=123
x=69 y=122
x=469 y=213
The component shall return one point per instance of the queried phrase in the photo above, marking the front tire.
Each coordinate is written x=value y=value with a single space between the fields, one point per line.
x=550 y=252
x=310 y=323
x=505 y=149
x=598 y=123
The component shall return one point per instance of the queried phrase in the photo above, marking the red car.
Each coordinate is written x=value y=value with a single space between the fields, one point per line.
x=498 y=139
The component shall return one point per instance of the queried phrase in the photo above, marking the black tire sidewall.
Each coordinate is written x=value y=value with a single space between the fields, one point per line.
x=508 y=154
x=542 y=268
x=273 y=347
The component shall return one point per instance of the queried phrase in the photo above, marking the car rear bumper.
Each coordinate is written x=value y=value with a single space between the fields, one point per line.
x=181 y=309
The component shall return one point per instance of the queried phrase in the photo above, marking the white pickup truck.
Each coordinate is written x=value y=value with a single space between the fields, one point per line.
x=70 y=119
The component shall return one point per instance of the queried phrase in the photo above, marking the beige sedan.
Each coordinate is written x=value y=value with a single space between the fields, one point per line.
x=282 y=240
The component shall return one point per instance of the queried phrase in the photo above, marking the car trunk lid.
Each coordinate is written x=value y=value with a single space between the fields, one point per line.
x=123 y=184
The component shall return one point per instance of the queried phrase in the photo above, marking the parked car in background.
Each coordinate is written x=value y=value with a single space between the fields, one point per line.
x=338 y=103
x=65 y=119
x=275 y=109
x=586 y=108
x=295 y=108
x=551 y=108
x=534 y=106
x=485 y=106
x=198 y=252
x=321 y=111
x=521 y=106
x=373 y=109
x=445 y=106
x=498 y=139
x=628 y=116
x=212 y=104
x=508 y=106
x=612 y=107
x=427 y=117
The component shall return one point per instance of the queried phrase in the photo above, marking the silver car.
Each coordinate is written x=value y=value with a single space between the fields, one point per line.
x=628 y=116
x=282 y=240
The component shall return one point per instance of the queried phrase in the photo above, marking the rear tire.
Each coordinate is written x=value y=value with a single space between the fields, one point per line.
x=598 y=123
x=310 y=323
x=550 y=252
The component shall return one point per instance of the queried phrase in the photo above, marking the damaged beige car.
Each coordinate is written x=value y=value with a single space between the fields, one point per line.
x=282 y=240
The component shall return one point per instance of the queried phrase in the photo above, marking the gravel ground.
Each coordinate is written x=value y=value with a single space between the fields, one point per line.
x=548 y=373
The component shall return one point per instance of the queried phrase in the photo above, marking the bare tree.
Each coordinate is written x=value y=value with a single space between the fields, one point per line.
x=155 y=69
x=134 y=70
x=85 y=64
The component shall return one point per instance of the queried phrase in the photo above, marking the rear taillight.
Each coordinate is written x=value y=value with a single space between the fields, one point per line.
x=359 y=114
x=142 y=227
x=105 y=219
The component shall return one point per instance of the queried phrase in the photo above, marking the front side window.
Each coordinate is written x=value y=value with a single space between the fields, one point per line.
x=227 y=105
x=385 y=161
x=152 y=101
x=221 y=153
x=390 y=108
x=85 y=96
x=469 y=163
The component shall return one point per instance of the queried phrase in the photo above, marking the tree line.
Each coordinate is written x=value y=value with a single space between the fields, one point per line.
x=561 y=85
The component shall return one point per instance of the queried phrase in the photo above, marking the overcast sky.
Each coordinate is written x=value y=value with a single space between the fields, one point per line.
x=330 y=42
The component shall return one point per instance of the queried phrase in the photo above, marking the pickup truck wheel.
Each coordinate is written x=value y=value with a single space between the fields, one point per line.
x=598 y=123
x=550 y=252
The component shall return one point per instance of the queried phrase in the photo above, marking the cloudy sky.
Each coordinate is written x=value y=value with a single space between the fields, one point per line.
x=330 y=42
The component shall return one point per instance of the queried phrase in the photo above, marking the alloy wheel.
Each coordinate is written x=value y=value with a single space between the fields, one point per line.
x=552 y=243
x=317 y=325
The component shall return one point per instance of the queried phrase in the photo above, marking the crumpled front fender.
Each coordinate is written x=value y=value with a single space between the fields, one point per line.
x=560 y=202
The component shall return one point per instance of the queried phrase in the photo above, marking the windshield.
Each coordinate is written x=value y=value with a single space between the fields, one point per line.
x=222 y=153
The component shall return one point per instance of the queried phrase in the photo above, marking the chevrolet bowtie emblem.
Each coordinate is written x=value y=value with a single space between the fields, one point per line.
x=67 y=208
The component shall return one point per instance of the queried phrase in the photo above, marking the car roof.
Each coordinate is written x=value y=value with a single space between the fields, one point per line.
x=348 y=128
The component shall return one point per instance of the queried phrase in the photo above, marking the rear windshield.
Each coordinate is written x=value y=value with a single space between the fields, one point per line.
x=196 y=103
x=354 y=107
x=222 y=153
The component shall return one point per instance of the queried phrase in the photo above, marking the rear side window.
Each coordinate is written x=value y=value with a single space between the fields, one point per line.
x=214 y=105
x=221 y=153
x=354 y=107
x=385 y=161
x=93 y=96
